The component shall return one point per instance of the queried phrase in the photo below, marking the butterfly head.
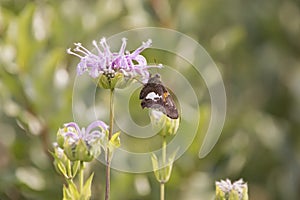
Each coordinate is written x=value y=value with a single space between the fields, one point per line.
x=155 y=79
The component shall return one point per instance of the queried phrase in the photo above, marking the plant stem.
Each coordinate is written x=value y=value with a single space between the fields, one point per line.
x=164 y=151
x=111 y=122
x=162 y=191
x=81 y=176
x=107 y=186
x=164 y=156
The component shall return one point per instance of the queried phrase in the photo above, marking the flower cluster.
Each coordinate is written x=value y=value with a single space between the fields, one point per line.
x=227 y=190
x=81 y=144
x=107 y=63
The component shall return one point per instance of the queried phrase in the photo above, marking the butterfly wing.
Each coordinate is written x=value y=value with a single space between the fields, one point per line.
x=151 y=87
x=170 y=107
x=156 y=96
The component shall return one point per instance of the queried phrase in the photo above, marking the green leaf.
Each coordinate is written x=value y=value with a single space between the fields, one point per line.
x=115 y=140
x=15 y=88
x=73 y=191
x=62 y=168
x=75 y=168
x=86 y=192
x=66 y=193
x=155 y=166
x=154 y=162
x=25 y=40
x=45 y=70
x=162 y=172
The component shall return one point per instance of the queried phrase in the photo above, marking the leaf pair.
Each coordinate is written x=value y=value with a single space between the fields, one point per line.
x=71 y=192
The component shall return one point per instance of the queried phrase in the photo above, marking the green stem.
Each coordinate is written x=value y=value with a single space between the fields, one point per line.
x=162 y=191
x=164 y=157
x=164 y=151
x=111 y=121
x=81 y=176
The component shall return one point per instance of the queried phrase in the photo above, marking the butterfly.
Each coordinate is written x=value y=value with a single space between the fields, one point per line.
x=154 y=95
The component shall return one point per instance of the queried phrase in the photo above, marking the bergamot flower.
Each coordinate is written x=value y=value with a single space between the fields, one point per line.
x=82 y=144
x=112 y=66
x=225 y=190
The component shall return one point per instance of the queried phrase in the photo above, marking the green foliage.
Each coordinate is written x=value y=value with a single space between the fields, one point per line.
x=162 y=171
x=114 y=142
x=71 y=191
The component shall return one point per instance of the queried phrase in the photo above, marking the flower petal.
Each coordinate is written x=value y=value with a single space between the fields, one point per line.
x=95 y=124
x=74 y=125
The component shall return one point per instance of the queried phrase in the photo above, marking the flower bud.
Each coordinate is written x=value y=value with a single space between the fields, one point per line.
x=78 y=150
x=60 y=160
x=60 y=139
x=164 y=124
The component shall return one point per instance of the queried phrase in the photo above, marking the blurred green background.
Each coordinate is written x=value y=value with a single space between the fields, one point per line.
x=255 y=44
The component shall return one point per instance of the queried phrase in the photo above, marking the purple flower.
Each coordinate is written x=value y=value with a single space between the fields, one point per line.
x=81 y=144
x=105 y=62
x=236 y=189
x=89 y=135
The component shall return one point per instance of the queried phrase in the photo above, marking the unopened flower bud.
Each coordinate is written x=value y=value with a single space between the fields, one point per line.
x=164 y=124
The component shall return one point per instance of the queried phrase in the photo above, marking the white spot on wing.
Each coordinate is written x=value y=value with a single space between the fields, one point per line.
x=153 y=96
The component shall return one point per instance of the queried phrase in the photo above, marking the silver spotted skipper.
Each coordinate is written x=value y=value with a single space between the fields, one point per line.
x=154 y=95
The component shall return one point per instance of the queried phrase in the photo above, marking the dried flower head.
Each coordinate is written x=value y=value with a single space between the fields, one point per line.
x=107 y=63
